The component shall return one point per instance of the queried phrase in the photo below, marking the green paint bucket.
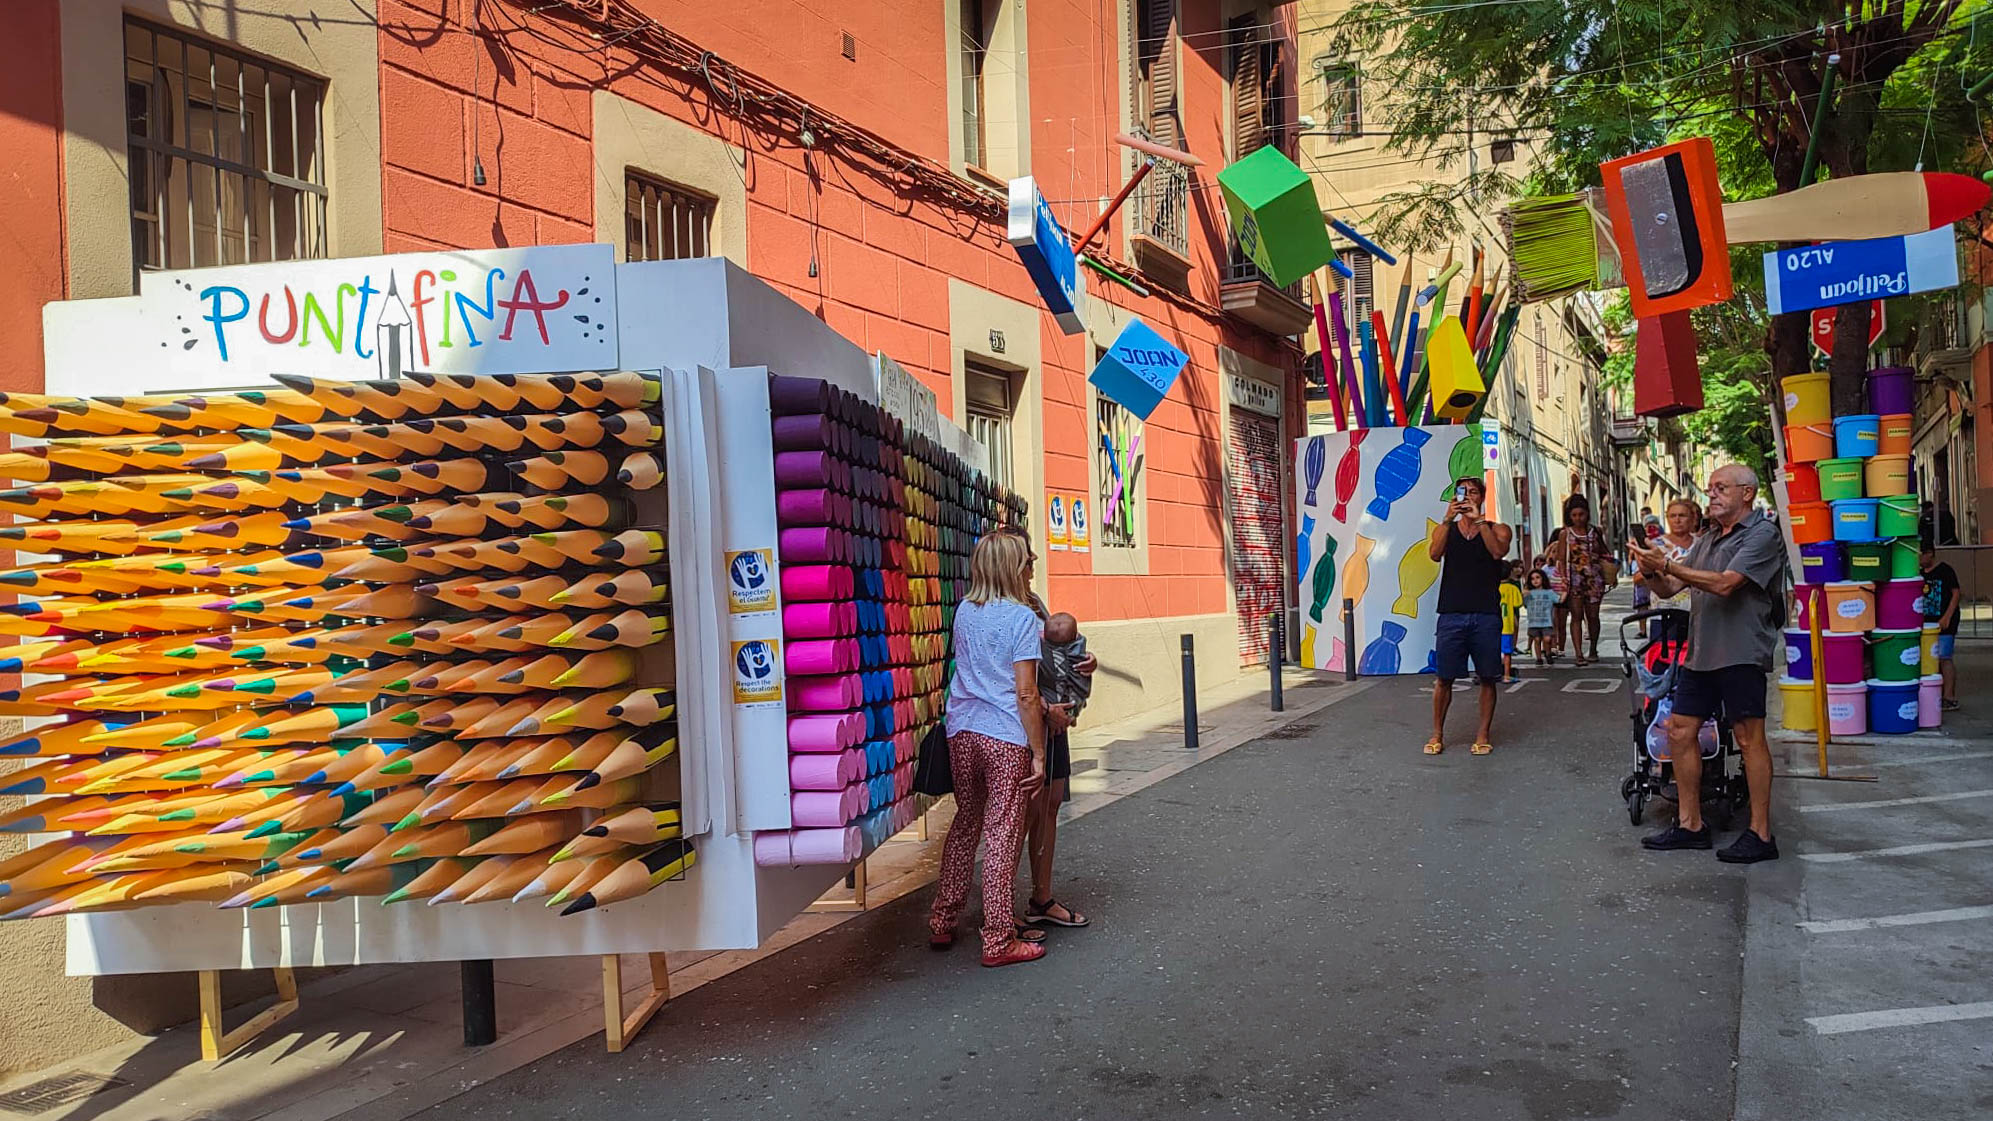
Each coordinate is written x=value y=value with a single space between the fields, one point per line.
x=1868 y=561
x=1903 y=559
x=1896 y=655
x=1840 y=478
x=1896 y=516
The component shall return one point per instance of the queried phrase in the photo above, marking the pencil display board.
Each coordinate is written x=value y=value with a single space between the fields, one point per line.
x=1368 y=499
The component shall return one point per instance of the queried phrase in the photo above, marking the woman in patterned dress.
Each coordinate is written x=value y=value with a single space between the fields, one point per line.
x=1581 y=555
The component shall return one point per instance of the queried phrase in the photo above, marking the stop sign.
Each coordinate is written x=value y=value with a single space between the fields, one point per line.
x=1822 y=327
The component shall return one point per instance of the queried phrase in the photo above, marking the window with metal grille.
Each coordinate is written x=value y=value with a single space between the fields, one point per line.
x=1359 y=294
x=664 y=222
x=1342 y=99
x=226 y=151
x=1118 y=454
x=990 y=408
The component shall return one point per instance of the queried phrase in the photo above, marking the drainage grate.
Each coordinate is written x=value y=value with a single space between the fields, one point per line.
x=60 y=1090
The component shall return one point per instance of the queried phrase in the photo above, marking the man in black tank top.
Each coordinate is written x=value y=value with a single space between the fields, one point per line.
x=1470 y=549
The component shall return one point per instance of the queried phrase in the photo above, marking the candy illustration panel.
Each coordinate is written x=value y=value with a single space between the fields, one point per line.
x=1368 y=499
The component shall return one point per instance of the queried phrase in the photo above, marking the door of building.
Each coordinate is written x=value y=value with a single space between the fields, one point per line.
x=1259 y=573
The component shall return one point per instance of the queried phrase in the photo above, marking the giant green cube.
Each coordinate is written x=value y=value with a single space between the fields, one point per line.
x=1275 y=216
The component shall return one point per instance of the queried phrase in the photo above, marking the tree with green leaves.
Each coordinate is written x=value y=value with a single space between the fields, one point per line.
x=1584 y=81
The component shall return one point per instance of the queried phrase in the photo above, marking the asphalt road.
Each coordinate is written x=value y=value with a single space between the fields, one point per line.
x=1326 y=924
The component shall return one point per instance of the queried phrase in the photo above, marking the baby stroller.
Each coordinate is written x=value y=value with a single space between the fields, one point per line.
x=1650 y=670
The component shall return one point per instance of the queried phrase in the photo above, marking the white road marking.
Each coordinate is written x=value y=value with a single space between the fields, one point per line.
x=1583 y=685
x=1900 y=1017
x=1911 y=918
x=1884 y=803
x=1895 y=850
x=1933 y=759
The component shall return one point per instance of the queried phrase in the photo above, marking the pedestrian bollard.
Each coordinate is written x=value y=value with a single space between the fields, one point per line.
x=1189 y=694
x=1349 y=640
x=1276 y=652
x=480 y=1003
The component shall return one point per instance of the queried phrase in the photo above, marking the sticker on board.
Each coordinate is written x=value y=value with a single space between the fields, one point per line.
x=750 y=581
x=755 y=680
x=1077 y=520
x=1055 y=524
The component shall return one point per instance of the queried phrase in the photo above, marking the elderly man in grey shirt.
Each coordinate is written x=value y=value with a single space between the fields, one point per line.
x=1734 y=574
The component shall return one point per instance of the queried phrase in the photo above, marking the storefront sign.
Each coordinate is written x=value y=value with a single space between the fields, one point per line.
x=750 y=581
x=1253 y=395
x=1047 y=254
x=1845 y=272
x=1139 y=369
x=544 y=309
x=1055 y=524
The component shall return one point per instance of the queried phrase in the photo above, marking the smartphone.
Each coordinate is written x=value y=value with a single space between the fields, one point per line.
x=1460 y=492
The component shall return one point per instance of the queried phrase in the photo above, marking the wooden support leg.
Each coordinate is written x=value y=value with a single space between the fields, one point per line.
x=217 y=1043
x=618 y=1027
x=855 y=903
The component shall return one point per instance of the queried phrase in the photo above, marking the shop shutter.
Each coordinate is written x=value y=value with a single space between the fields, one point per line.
x=1258 y=528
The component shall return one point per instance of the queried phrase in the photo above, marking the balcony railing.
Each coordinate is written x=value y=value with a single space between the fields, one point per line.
x=1162 y=205
x=1241 y=270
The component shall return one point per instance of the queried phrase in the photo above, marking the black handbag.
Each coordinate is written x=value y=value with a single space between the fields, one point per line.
x=932 y=772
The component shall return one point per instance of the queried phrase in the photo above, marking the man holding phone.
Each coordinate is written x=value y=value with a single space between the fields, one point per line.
x=1470 y=549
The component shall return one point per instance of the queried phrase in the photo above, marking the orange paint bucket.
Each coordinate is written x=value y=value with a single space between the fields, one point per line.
x=1807 y=443
x=1810 y=522
x=1896 y=430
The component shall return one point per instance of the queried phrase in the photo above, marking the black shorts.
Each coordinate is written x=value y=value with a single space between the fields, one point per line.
x=1731 y=693
x=1058 y=756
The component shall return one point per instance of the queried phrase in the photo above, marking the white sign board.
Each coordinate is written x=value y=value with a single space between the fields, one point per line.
x=1491 y=445
x=543 y=309
x=904 y=396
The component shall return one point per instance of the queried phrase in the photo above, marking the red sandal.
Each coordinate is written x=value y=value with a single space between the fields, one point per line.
x=1017 y=953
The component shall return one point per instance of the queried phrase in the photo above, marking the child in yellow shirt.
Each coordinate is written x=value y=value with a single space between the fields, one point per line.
x=1511 y=593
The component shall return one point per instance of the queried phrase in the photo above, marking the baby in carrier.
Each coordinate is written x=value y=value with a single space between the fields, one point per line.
x=1063 y=648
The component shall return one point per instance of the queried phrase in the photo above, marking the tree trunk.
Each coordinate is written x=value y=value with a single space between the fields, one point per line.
x=1848 y=366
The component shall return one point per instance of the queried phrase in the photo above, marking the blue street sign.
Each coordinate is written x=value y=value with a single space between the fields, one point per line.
x=1138 y=370
x=1848 y=272
x=1047 y=254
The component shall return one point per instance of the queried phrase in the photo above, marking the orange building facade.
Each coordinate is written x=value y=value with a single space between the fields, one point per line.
x=854 y=157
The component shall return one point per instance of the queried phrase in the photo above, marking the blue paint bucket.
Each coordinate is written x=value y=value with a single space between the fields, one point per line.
x=1892 y=707
x=1857 y=435
x=1854 y=519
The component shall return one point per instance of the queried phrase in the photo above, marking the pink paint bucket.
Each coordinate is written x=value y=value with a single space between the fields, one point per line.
x=1930 y=701
x=1842 y=658
x=1896 y=605
x=1847 y=709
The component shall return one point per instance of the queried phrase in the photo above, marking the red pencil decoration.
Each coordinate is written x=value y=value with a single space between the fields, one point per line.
x=1388 y=368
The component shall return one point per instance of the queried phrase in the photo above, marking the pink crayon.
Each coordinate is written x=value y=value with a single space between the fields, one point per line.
x=825 y=694
x=826 y=772
x=820 y=656
x=819 y=620
x=817 y=809
x=814 y=545
x=816 y=582
x=812 y=508
x=830 y=732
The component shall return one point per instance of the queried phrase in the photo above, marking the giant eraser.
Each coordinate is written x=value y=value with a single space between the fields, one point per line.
x=1667 y=378
x=1275 y=215
x=1667 y=217
x=1138 y=370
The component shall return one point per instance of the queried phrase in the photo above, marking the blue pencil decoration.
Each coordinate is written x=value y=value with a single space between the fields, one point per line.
x=1363 y=243
x=1373 y=389
x=1405 y=367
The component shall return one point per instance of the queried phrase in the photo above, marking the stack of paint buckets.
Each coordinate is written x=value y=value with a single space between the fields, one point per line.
x=876 y=524
x=1852 y=512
